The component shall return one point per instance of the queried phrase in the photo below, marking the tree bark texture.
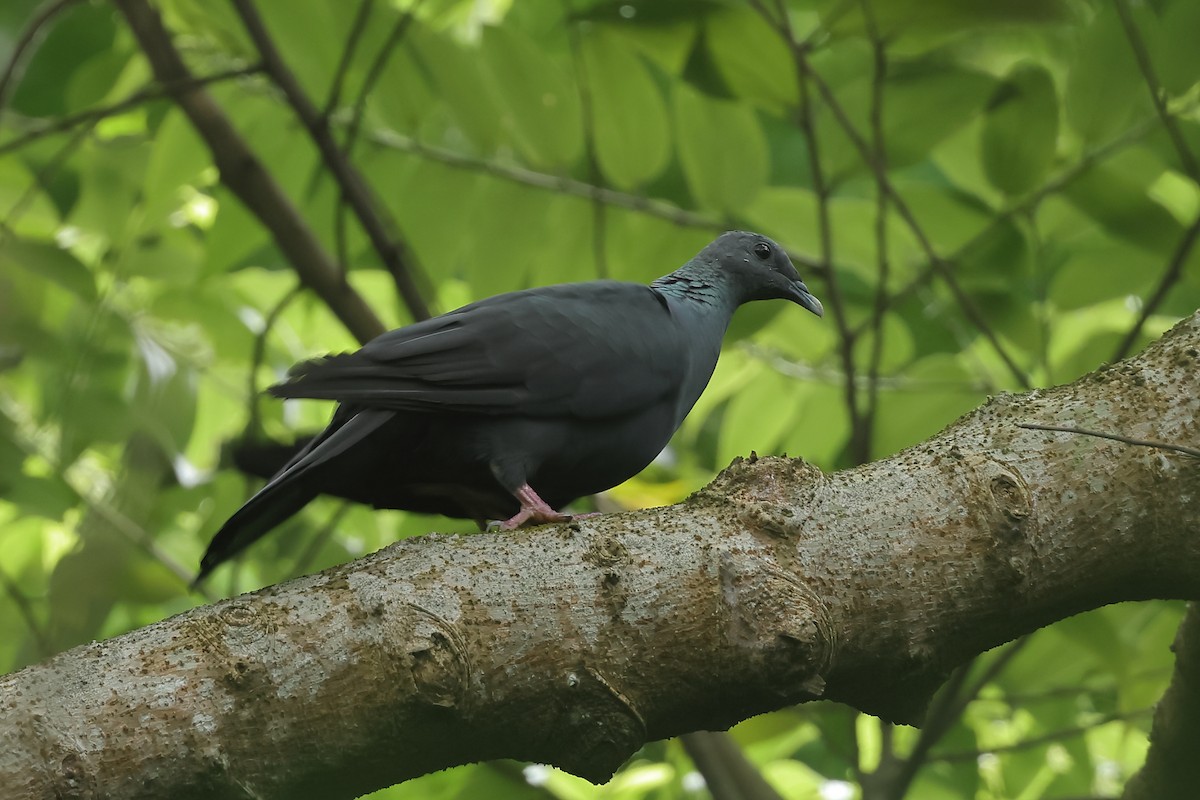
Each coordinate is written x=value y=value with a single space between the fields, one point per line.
x=1171 y=768
x=575 y=643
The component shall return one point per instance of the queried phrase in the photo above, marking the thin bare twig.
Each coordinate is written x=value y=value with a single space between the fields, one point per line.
x=804 y=119
x=331 y=103
x=375 y=71
x=1172 y=275
x=1038 y=741
x=358 y=113
x=41 y=641
x=1178 y=448
x=41 y=177
x=948 y=709
x=563 y=185
x=246 y=177
x=879 y=153
x=258 y=355
x=41 y=18
x=1154 y=86
x=144 y=95
x=319 y=539
x=394 y=253
x=339 y=76
x=939 y=265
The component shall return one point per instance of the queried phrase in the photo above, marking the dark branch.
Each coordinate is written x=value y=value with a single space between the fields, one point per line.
x=1169 y=279
x=1038 y=741
x=248 y=179
x=728 y=774
x=144 y=95
x=1154 y=86
x=395 y=254
x=339 y=75
x=939 y=265
x=879 y=153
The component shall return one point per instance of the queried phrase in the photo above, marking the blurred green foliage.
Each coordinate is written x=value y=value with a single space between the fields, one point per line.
x=142 y=307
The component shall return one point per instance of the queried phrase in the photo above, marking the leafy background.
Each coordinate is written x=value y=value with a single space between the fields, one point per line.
x=987 y=196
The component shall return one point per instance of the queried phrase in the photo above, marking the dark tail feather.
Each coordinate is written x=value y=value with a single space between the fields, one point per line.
x=272 y=505
x=288 y=492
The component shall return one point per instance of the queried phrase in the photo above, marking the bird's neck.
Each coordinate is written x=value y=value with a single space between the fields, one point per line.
x=700 y=286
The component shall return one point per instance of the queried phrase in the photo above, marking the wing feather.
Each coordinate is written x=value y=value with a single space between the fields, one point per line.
x=588 y=350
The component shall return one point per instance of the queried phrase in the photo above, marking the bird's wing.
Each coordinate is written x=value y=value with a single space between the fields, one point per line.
x=588 y=350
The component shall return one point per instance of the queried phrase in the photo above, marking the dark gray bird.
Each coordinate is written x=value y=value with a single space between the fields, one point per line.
x=512 y=407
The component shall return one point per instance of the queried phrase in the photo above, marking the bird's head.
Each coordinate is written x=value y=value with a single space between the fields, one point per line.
x=759 y=269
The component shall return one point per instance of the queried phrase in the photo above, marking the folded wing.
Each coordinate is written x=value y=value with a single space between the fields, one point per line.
x=584 y=350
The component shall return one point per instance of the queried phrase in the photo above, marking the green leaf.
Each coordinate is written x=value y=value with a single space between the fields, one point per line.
x=933 y=392
x=752 y=58
x=234 y=235
x=164 y=397
x=310 y=40
x=48 y=261
x=457 y=77
x=402 y=97
x=927 y=101
x=722 y=149
x=1088 y=276
x=41 y=496
x=628 y=114
x=18 y=189
x=80 y=32
x=1173 y=46
x=111 y=175
x=540 y=102
x=1020 y=130
x=758 y=415
x=667 y=45
x=932 y=21
x=1114 y=194
x=896 y=348
x=1104 y=86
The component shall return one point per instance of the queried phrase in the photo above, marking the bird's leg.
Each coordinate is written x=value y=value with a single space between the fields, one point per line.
x=533 y=509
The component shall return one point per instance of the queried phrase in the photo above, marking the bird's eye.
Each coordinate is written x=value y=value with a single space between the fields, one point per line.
x=762 y=250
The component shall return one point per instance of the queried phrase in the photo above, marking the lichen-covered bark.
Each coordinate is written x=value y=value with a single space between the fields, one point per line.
x=575 y=643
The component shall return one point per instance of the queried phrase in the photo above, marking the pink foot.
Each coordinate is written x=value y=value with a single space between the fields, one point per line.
x=533 y=509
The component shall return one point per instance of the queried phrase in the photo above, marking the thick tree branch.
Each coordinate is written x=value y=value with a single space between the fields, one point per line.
x=246 y=177
x=728 y=774
x=391 y=249
x=1172 y=769
x=575 y=643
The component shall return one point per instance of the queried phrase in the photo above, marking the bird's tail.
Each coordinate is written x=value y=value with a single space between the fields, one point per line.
x=274 y=503
x=290 y=490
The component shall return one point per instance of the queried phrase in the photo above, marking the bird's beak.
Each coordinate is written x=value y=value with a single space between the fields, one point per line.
x=802 y=296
